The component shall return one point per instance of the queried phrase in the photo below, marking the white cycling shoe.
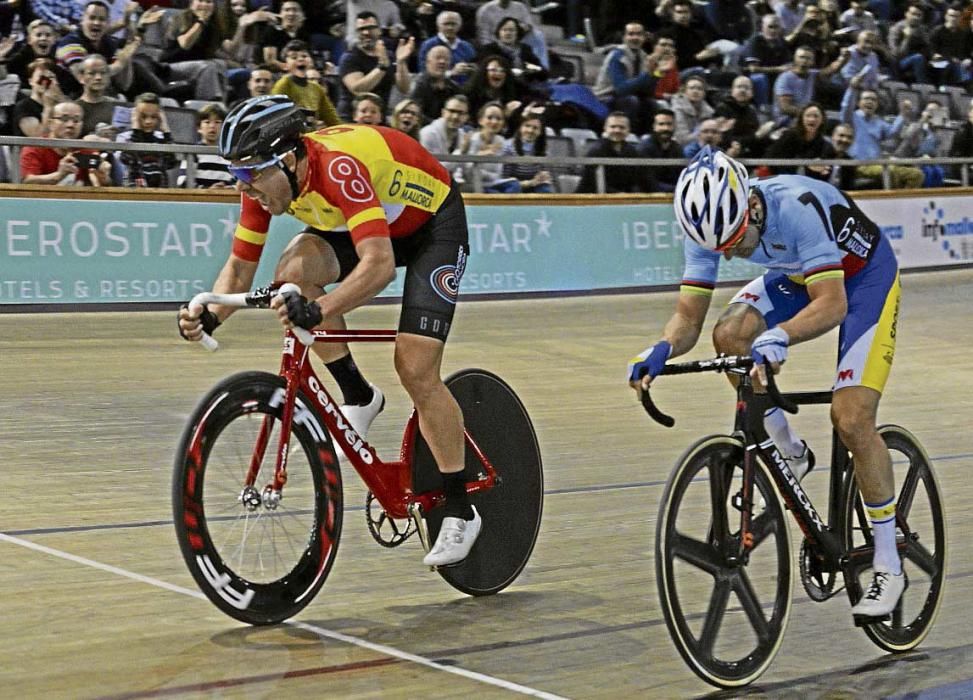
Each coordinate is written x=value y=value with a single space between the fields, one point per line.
x=881 y=597
x=802 y=464
x=456 y=538
x=361 y=417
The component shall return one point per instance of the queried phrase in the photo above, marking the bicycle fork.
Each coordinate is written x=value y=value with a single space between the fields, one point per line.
x=271 y=495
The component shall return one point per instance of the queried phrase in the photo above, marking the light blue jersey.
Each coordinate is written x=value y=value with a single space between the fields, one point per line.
x=812 y=231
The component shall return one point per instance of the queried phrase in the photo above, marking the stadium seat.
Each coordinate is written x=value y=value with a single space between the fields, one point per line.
x=893 y=86
x=960 y=103
x=567 y=183
x=924 y=89
x=154 y=39
x=579 y=136
x=561 y=147
x=945 y=134
x=182 y=124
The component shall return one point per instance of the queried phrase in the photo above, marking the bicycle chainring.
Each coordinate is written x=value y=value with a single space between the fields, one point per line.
x=818 y=582
x=386 y=531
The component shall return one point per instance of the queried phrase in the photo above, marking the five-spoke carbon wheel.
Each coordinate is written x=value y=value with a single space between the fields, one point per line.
x=921 y=535
x=726 y=617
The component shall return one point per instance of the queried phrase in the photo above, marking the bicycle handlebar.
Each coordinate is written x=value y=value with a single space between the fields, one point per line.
x=258 y=299
x=728 y=363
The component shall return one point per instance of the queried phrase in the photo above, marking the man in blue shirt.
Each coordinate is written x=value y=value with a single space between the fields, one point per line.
x=871 y=130
x=795 y=88
x=625 y=81
x=828 y=266
x=863 y=61
x=463 y=55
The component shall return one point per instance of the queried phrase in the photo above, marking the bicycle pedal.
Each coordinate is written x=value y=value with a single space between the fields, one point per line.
x=865 y=620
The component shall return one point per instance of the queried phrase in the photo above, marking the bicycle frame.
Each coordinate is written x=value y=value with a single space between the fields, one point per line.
x=749 y=429
x=389 y=482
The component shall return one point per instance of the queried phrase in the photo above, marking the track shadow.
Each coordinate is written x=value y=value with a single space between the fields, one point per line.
x=912 y=675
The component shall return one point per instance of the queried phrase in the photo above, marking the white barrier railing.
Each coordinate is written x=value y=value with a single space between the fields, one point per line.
x=13 y=144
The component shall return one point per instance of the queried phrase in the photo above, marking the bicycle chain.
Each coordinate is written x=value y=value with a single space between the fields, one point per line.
x=818 y=583
x=376 y=524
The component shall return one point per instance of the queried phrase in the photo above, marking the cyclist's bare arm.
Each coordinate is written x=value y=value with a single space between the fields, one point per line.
x=827 y=310
x=236 y=276
x=682 y=330
x=374 y=271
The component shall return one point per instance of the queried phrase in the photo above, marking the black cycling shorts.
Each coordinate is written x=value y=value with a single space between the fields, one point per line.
x=434 y=258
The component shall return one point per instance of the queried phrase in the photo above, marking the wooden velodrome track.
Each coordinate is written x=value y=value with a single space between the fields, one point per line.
x=95 y=600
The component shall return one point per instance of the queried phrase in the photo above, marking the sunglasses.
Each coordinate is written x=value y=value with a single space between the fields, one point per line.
x=247 y=174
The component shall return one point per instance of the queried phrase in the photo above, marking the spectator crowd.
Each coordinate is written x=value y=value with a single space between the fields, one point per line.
x=761 y=79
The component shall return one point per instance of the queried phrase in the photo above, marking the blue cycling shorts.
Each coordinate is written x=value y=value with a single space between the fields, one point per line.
x=866 y=340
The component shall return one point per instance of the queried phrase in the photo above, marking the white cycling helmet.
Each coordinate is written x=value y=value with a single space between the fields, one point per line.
x=711 y=199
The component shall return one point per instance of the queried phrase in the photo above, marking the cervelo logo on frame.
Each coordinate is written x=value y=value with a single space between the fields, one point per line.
x=358 y=446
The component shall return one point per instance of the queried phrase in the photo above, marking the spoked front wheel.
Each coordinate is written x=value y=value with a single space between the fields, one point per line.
x=511 y=511
x=726 y=618
x=258 y=558
x=921 y=534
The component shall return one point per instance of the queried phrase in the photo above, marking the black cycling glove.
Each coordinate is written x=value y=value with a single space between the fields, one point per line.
x=301 y=312
x=207 y=318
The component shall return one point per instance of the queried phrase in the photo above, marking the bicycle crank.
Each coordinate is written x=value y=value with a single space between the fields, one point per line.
x=386 y=531
x=818 y=582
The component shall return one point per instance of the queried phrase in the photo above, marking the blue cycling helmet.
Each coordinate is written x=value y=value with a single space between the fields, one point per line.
x=260 y=128
x=711 y=199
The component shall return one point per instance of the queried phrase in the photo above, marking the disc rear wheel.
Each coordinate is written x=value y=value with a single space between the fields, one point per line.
x=499 y=425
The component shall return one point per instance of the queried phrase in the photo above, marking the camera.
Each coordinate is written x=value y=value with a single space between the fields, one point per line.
x=88 y=161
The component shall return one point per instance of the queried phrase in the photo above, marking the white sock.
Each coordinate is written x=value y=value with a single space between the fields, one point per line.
x=882 y=518
x=775 y=422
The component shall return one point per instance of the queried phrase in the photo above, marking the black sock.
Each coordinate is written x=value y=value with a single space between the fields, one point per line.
x=457 y=500
x=353 y=386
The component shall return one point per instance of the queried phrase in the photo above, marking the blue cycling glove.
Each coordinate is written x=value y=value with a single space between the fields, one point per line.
x=650 y=361
x=771 y=345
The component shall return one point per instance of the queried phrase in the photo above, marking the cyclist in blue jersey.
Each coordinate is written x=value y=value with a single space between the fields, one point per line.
x=827 y=265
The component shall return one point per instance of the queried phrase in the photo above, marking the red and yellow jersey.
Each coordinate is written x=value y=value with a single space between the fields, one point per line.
x=368 y=180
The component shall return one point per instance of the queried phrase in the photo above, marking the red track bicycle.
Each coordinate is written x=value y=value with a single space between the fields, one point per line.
x=257 y=490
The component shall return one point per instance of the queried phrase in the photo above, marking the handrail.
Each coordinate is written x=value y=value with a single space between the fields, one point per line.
x=17 y=142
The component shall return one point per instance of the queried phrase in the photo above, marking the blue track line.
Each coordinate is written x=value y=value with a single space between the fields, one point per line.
x=353 y=509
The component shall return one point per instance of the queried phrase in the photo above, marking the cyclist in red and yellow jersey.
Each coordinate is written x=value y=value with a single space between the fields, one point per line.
x=373 y=199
